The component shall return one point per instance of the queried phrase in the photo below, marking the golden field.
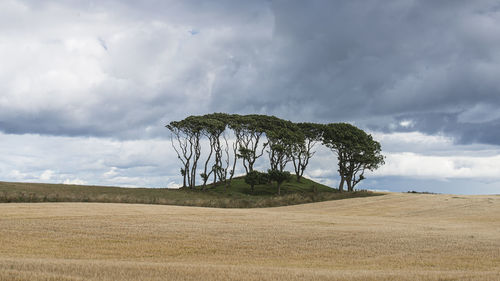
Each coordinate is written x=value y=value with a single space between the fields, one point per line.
x=391 y=237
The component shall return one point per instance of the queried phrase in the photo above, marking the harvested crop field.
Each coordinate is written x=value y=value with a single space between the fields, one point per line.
x=390 y=237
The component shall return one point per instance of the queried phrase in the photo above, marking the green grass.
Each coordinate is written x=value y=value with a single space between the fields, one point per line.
x=238 y=195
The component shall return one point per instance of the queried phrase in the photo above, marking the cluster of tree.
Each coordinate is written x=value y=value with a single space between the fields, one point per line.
x=283 y=141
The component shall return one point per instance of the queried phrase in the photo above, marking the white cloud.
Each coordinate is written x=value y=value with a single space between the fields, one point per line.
x=16 y=175
x=440 y=167
x=46 y=175
x=408 y=140
x=97 y=161
x=319 y=173
x=173 y=185
x=111 y=173
x=414 y=154
x=74 y=181
x=406 y=123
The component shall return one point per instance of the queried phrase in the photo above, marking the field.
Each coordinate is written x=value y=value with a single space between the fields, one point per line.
x=390 y=237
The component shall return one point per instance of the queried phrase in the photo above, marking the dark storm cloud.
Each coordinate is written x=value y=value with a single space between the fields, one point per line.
x=434 y=64
x=486 y=132
x=219 y=12
x=369 y=60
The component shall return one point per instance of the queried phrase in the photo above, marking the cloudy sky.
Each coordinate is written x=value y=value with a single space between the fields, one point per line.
x=86 y=87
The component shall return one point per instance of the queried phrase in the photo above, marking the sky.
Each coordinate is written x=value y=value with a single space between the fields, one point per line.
x=86 y=87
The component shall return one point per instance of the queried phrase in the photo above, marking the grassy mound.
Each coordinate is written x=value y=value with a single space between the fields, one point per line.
x=238 y=195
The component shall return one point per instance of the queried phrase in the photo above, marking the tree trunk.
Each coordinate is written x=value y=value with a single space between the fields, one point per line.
x=279 y=188
x=193 y=176
x=341 y=185
x=215 y=178
x=231 y=174
x=245 y=166
x=188 y=176
x=184 y=175
x=297 y=170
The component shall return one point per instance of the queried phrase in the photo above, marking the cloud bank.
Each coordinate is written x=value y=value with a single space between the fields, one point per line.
x=415 y=73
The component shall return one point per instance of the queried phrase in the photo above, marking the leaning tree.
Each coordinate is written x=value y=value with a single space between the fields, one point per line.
x=185 y=139
x=356 y=152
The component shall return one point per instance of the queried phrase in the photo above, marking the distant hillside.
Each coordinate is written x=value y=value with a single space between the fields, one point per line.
x=238 y=195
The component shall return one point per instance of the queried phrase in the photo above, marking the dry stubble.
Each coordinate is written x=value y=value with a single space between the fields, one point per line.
x=391 y=237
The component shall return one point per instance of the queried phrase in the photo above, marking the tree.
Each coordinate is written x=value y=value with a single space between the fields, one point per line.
x=187 y=145
x=302 y=149
x=279 y=177
x=356 y=152
x=184 y=148
x=234 y=122
x=281 y=135
x=255 y=177
x=367 y=156
x=248 y=131
x=212 y=129
x=221 y=147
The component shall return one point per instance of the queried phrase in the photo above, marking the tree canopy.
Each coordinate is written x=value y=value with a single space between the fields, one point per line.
x=284 y=141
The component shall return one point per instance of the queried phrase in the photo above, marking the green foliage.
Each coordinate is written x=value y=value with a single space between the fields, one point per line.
x=264 y=178
x=204 y=176
x=244 y=152
x=312 y=131
x=252 y=178
x=356 y=152
x=279 y=177
x=255 y=177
